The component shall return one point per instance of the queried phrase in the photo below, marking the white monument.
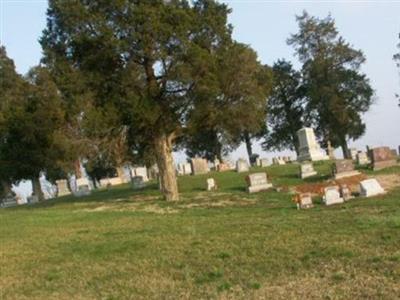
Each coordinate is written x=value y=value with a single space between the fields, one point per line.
x=332 y=196
x=211 y=184
x=370 y=187
x=309 y=149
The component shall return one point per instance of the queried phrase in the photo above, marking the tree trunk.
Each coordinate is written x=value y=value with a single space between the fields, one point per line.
x=5 y=188
x=295 y=143
x=77 y=167
x=249 y=147
x=37 y=189
x=345 y=149
x=121 y=173
x=165 y=162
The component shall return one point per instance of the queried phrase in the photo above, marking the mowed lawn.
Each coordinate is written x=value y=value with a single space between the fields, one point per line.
x=125 y=244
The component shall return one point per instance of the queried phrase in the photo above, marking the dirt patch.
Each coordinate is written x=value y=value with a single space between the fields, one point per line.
x=388 y=182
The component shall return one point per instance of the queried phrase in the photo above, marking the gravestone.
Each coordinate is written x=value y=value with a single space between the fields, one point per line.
x=211 y=184
x=257 y=182
x=82 y=187
x=138 y=182
x=370 y=187
x=140 y=171
x=253 y=159
x=353 y=153
x=153 y=172
x=242 y=165
x=362 y=158
x=382 y=157
x=199 y=166
x=32 y=199
x=106 y=182
x=9 y=201
x=264 y=162
x=258 y=162
x=309 y=149
x=344 y=168
x=303 y=201
x=307 y=170
x=332 y=196
x=275 y=161
x=281 y=161
x=345 y=192
x=62 y=188
x=394 y=152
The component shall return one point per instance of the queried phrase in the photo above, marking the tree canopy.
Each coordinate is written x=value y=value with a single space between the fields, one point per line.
x=338 y=92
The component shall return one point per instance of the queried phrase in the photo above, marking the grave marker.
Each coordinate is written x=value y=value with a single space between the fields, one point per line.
x=257 y=182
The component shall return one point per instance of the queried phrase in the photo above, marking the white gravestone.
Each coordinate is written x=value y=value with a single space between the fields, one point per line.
x=307 y=170
x=309 y=149
x=332 y=196
x=257 y=182
x=242 y=165
x=370 y=187
x=82 y=187
x=140 y=171
x=211 y=184
x=264 y=162
x=362 y=158
x=353 y=153
x=62 y=188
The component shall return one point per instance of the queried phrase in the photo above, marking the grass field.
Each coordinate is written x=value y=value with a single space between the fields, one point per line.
x=125 y=244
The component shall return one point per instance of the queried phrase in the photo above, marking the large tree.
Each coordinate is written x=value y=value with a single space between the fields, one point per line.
x=286 y=108
x=34 y=139
x=339 y=93
x=11 y=94
x=238 y=110
x=143 y=58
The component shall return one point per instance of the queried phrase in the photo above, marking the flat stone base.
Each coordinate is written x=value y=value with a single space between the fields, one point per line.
x=309 y=174
x=259 y=188
x=384 y=164
x=346 y=174
x=312 y=156
x=333 y=201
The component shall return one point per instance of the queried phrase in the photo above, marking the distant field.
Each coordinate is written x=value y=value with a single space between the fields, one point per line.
x=125 y=244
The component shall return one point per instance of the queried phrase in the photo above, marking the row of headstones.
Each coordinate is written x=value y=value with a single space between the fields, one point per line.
x=340 y=194
x=340 y=169
x=379 y=157
x=199 y=166
x=256 y=182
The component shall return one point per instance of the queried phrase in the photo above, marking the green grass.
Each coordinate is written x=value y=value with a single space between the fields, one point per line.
x=125 y=244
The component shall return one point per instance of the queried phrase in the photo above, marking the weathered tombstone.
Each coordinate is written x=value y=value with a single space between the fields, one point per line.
x=303 y=201
x=9 y=201
x=211 y=184
x=62 y=188
x=362 y=158
x=309 y=149
x=281 y=161
x=394 y=152
x=257 y=182
x=199 y=166
x=370 y=187
x=242 y=165
x=32 y=199
x=353 y=153
x=307 y=170
x=138 y=182
x=82 y=187
x=382 y=158
x=344 y=168
x=140 y=171
x=345 y=192
x=275 y=161
x=258 y=162
x=264 y=162
x=332 y=196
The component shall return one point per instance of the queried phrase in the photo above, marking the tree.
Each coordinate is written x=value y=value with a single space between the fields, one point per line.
x=286 y=108
x=11 y=87
x=338 y=93
x=238 y=110
x=141 y=57
x=396 y=58
x=34 y=139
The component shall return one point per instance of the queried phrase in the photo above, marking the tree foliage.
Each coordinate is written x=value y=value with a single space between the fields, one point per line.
x=286 y=108
x=338 y=91
x=142 y=59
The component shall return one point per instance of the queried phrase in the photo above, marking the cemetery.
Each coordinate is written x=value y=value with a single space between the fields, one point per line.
x=158 y=150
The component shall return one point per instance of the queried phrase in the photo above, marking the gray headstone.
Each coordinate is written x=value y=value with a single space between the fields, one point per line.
x=257 y=182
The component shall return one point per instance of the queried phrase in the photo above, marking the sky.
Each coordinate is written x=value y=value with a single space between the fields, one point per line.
x=372 y=26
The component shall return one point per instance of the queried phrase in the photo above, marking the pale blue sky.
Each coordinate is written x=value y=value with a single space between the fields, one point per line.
x=372 y=26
